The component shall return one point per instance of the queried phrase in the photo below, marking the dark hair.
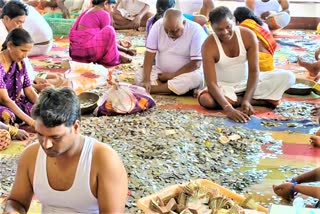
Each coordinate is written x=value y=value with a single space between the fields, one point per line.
x=2 y=3
x=57 y=106
x=162 y=7
x=18 y=37
x=243 y=13
x=97 y=2
x=219 y=13
x=13 y=9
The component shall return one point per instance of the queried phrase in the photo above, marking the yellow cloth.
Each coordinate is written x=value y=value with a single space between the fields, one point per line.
x=266 y=62
x=262 y=34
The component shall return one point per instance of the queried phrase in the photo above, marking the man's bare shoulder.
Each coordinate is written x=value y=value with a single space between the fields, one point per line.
x=31 y=151
x=248 y=36
x=246 y=32
x=29 y=155
x=209 y=43
x=104 y=154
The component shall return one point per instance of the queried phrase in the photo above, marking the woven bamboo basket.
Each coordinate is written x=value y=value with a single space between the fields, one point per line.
x=59 y=25
x=144 y=202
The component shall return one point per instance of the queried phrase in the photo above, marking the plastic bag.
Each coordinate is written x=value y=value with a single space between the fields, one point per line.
x=123 y=98
x=86 y=76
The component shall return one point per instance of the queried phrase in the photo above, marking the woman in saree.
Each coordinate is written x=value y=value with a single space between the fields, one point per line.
x=17 y=95
x=93 y=39
x=267 y=44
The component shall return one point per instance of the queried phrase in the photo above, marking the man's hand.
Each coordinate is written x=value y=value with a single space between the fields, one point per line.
x=38 y=80
x=236 y=115
x=283 y=190
x=315 y=141
x=247 y=108
x=125 y=43
x=136 y=22
x=165 y=76
x=265 y=15
x=40 y=86
x=316 y=111
x=147 y=86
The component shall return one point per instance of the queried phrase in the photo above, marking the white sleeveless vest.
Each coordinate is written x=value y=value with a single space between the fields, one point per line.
x=232 y=69
x=77 y=199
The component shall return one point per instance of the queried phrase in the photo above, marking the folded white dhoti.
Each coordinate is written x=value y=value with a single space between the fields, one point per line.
x=130 y=8
x=271 y=86
x=179 y=85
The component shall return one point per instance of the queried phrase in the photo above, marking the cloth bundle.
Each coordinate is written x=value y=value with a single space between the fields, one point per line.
x=86 y=76
x=123 y=98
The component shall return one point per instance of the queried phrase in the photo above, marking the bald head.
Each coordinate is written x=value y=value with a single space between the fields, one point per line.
x=173 y=23
x=172 y=15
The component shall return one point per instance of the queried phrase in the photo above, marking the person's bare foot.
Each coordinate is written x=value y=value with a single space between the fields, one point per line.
x=315 y=141
x=124 y=59
x=312 y=68
x=132 y=52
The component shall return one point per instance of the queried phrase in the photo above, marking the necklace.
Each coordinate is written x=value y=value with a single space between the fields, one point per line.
x=5 y=63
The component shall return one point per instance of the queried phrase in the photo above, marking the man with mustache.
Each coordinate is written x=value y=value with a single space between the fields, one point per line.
x=231 y=70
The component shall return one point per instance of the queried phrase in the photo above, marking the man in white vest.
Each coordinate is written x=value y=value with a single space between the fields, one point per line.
x=68 y=172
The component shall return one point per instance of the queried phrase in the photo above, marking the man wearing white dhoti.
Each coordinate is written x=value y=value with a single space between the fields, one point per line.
x=69 y=6
x=131 y=14
x=176 y=45
x=273 y=12
x=230 y=63
x=40 y=32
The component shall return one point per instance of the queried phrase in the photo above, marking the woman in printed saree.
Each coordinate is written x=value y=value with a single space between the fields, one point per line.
x=267 y=45
x=17 y=95
x=93 y=39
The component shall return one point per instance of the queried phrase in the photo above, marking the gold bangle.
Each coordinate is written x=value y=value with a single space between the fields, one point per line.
x=13 y=131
